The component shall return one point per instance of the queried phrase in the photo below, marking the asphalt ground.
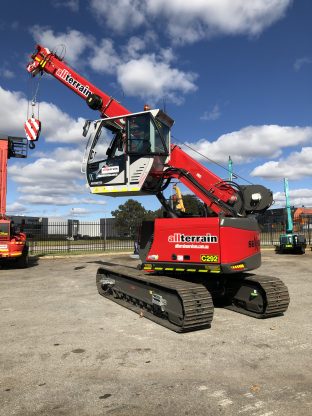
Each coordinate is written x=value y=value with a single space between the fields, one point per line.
x=65 y=350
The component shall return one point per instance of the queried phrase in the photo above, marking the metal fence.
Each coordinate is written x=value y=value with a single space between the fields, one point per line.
x=75 y=236
x=270 y=232
x=78 y=237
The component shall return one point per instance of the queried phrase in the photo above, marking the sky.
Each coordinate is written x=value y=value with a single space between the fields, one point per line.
x=235 y=75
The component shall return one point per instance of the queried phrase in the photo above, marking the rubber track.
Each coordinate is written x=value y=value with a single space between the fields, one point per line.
x=276 y=293
x=196 y=301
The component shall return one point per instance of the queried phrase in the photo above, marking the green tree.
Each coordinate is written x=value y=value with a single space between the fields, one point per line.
x=193 y=206
x=129 y=217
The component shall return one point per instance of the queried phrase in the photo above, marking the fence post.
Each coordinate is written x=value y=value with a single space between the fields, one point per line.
x=104 y=234
x=68 y=244
x=31 y=246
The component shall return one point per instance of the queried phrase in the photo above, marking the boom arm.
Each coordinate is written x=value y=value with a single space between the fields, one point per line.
x=43 y=60
x=222 y=197
x=219 y=196
x=145 y=172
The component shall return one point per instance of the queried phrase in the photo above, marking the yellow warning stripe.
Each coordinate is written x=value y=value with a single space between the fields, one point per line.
x=103 y=189
x=179 y=269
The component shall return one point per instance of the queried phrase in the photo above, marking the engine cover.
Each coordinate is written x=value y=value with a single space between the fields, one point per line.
x=217 y=245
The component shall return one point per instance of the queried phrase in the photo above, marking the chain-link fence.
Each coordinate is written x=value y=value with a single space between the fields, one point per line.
x=75 y=236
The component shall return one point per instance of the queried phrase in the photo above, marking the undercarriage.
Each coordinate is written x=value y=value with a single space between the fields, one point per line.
x=185 y=304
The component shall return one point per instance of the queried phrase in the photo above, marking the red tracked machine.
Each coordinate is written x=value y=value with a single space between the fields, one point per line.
x=187 y=263
x=13 y=245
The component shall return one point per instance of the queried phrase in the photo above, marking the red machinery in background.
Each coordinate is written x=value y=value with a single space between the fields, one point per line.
x=187 y=262
x=13 y=245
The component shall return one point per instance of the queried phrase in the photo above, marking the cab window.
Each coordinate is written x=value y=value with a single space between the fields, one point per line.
x=145 y=136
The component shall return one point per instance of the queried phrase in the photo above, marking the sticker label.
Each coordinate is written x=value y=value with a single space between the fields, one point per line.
x=67 y=77
x=182 y=238
x=209 y=258
x=108 y=171
x=192 y=241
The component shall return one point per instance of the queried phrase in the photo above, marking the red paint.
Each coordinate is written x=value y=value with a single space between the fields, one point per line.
x=195 y=237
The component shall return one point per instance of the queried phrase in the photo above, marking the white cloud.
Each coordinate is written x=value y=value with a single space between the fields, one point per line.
x=53 y=179
x=104 y=57
x=50 y=200
x=253 y=142
x=297 y=197
x=16 y=208
x=120 y=14
x=149 y=77
x=50 y=180
x=56 y=170
x=80 y=211
x=13 y=112
x=57 y=126
x=135 y=46
x=79 y=49
x=300 y=62
x=83 y=212
x=212 y=17
x=189 y=21
x=75 y=42
x=296 y=166
x=91 y=201
x=212 y=115
x=6 y=73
